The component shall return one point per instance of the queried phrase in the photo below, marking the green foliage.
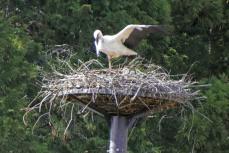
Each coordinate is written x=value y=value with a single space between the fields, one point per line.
x=210 y=133
x=16 y=72
x=201 y=27
x=199 y=43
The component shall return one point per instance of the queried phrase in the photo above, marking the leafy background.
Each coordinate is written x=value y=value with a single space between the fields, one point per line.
x=199 y=44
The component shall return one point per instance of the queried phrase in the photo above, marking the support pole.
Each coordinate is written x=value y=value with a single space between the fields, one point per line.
x=118 y=134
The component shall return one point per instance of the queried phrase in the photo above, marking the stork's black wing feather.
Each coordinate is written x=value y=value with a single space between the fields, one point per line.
x=140 y=33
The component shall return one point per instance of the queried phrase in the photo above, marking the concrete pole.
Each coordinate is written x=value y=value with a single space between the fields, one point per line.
x=118 y=134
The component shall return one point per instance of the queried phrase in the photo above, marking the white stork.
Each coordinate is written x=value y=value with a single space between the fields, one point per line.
x=122 y=43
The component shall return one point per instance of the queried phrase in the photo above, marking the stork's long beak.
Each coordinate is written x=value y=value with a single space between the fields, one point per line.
x=96 y=47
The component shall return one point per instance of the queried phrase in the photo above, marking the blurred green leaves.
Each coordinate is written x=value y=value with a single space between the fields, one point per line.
x=199 y=44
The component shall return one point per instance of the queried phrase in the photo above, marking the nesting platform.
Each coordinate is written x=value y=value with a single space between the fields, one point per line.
x=122 y=95
x=125 y=91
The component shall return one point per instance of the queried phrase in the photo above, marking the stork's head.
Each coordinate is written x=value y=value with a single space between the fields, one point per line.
x=97 y=36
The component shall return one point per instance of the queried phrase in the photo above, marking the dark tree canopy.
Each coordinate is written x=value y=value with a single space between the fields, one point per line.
x=31 y=31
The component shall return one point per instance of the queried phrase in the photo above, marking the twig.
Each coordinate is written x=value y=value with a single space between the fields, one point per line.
x=65 y=131
x=38 y=120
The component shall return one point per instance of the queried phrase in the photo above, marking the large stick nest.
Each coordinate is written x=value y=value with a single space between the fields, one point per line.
x=127 y=90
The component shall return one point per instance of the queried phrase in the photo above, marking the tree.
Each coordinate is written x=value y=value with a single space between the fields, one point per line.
x=15 y=72
x=199 y=42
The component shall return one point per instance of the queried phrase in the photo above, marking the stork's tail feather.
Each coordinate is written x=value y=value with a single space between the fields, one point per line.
x=129 y=53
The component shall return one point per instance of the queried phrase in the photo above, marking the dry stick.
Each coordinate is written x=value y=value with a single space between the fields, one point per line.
x=62 y=99
x=82 y=103
x=86 y=114
x=68 y=65
x=132 y=129
x=203 y=116
x=144 y=104
x=69 y=120
x=114 y=94
x=182 y=114
x=34 y=99
x=85 y=107
x=92 y=117
x=56 y=72
x=193 y=146
x=135 y=95
x=94 y=61
x=64 y=105
x=38 y=120
x=159 y=123
x=50 y=106
x=82 y=64
x=93 y=96
x=189 y=133
x=26 y=113
x=43 y=100
x=123 y=100
x=65 y=109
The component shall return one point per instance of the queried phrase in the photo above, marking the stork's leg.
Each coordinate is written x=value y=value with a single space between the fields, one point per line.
x=109 y=60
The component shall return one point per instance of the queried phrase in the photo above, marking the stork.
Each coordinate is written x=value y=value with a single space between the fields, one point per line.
x=123 y=43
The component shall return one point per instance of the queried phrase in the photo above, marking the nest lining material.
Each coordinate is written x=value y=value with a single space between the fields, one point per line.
x=128 y=90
